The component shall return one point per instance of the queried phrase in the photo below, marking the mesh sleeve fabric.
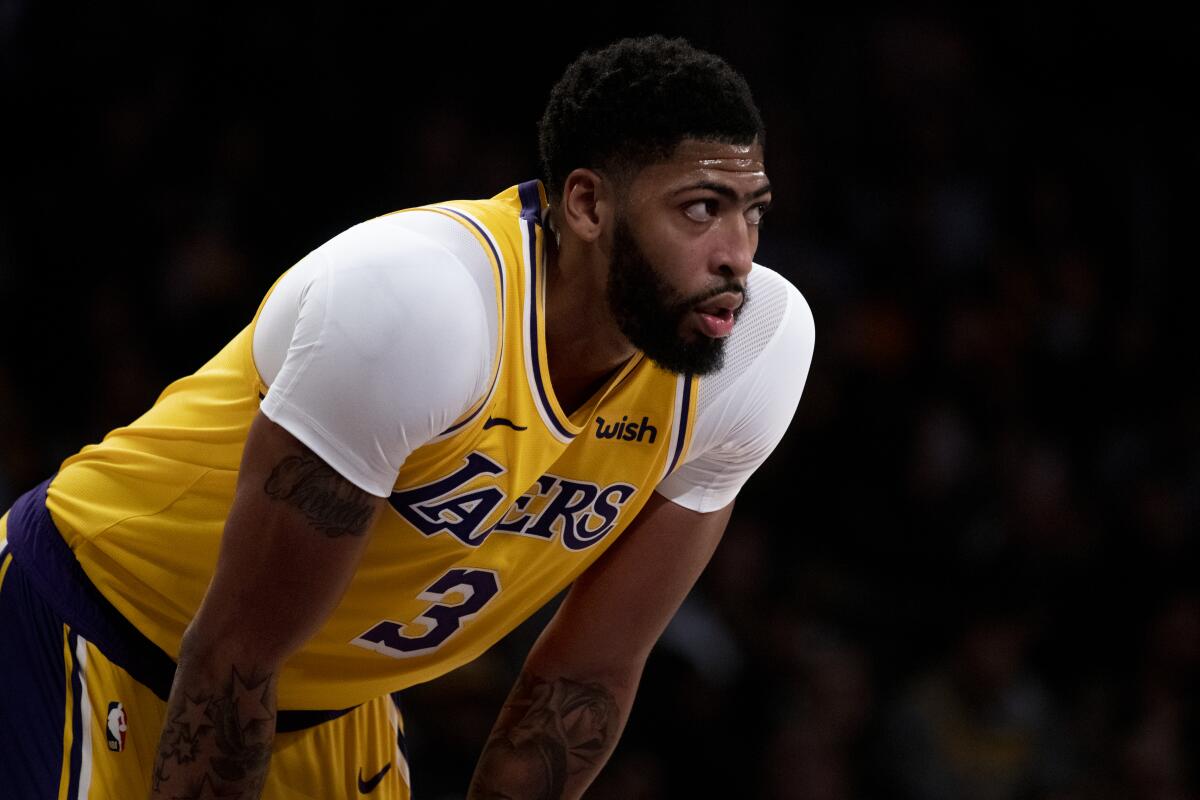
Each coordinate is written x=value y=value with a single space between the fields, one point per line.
x=371 y=346
x=743 y=410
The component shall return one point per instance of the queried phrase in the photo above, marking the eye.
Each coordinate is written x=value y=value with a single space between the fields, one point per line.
x=701 y=210
x=755 y=214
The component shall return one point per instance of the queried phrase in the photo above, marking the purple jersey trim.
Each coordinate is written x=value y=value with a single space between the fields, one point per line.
x=531 y=201
x=531 y=212
x=683 y=422
x=500 y=267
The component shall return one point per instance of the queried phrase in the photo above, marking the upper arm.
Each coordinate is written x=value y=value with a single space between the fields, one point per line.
x=292 y=541
x=371 y=346
x=374 y=344
x=744 y=410
x=617 y=609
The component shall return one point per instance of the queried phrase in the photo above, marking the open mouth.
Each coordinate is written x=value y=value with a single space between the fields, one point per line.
x=717 y=314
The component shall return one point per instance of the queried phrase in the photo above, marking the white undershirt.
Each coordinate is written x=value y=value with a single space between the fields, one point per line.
x=381 y=338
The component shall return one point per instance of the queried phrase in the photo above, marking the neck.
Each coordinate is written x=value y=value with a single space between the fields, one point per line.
x=584 y=345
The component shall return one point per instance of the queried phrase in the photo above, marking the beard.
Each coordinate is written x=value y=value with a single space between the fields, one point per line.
x=650 y=313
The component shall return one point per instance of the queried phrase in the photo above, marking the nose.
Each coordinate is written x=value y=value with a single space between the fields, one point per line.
x=735 y=253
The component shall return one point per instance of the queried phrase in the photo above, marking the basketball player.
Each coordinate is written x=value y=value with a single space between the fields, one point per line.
x=435 y=422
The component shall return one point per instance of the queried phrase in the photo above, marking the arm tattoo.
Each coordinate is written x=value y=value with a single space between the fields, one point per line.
x=217 y=744
x=331 y=503
x=549 y=731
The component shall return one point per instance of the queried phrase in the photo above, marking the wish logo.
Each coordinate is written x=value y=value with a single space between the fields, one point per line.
x=625 y=430
x=580 y=513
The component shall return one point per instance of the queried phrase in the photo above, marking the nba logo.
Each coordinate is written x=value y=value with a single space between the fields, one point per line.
x=116 y=727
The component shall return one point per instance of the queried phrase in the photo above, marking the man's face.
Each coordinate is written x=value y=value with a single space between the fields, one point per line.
x=683 y=241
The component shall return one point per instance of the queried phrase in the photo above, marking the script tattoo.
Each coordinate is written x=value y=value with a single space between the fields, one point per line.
x=549 y=731
x=332 y=504
x=217 y=744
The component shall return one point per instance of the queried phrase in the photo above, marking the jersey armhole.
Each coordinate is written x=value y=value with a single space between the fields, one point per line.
x=492 y=251
x=683 y=423
x=251 y=366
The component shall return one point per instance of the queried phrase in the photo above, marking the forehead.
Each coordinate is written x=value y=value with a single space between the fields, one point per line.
x=696 y=160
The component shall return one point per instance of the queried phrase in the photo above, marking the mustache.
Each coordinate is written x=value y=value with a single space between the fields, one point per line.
x=731 y=286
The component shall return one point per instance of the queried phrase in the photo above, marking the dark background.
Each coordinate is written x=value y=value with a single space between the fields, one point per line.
x=969 y=571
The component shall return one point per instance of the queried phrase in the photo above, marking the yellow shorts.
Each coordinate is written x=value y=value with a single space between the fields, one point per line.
x=77 y=726
x=355 y=755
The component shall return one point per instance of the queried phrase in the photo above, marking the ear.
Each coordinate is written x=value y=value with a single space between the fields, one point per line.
x=587 y=204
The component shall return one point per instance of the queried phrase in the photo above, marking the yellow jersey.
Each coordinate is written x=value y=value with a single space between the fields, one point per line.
x=485 y=524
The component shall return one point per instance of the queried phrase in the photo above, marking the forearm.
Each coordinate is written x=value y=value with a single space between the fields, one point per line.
x=553 y=736
x=292 y=541
x=216 y=740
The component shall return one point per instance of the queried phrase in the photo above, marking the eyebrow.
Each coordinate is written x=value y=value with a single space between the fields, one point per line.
x=726 y=191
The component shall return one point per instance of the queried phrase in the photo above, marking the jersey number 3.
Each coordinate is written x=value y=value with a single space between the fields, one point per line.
x=456 y=597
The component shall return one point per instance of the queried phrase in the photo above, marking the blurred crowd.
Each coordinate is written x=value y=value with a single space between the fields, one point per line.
x=969 y=570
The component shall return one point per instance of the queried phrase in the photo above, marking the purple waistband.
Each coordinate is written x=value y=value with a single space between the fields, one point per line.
x=44 y=555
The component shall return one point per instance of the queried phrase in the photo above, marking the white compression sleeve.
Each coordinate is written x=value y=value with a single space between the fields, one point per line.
x=372 y=345
x=744 y=409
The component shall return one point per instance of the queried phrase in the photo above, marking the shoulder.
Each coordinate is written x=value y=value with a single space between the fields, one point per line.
x=423 y=229
x=409 y=251
x=771 y=345
x=745 y=407
x=383 y=282
x=376 y=342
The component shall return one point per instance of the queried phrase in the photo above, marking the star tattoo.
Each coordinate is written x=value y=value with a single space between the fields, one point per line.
x=251 y=700
x=194 y=714
x=186 y=747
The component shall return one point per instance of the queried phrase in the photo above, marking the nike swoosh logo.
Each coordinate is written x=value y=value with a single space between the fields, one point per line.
x=368 y=786
x=494 y=421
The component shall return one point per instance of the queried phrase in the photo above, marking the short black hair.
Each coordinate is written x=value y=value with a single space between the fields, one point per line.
x=631 y=104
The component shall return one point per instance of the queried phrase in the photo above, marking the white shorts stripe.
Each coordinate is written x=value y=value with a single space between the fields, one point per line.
x=85 y=720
